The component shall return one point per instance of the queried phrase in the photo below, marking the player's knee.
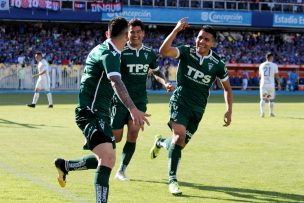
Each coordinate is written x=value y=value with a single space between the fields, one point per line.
x=179 y=140
x=109 y=160
x=118 y=138
x=132 y=136
x=118 y=135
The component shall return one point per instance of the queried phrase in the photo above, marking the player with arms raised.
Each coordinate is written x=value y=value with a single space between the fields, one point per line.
x=268 y=71
x=198 y=68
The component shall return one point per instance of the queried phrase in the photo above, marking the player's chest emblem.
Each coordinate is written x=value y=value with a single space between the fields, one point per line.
x=146 y=55
x=210 y=66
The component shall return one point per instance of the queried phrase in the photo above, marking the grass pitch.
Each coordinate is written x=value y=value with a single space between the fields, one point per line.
x=254 y=160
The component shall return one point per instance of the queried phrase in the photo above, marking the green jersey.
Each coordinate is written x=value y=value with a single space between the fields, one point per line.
x=195 y=77
x=135 y=64
x=95 y=88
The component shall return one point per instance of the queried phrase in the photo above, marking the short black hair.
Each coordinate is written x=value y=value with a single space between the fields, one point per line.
x=136 y=22
x=210 y=29
x=269 y=54
x=38 y=53
x=117 y=26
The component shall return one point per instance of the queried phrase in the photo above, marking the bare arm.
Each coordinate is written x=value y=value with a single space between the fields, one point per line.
x=138 y=117
x=166 y=48
x=38 y=74
x=277 y=77
x=122 y=92
x=228 y=100
x=159 y=77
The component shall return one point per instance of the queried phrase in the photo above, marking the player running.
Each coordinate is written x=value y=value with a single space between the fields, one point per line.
x=136 y=61
x=198 y=68
x=101 y=76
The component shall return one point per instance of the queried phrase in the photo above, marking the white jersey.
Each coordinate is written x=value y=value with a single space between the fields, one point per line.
x=43 y=65
x=43 y=81
x=267 y=71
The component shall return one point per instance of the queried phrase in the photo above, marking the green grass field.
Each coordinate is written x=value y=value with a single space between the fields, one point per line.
x=254 y=160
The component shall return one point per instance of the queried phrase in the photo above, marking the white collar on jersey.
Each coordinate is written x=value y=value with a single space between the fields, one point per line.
x=132 y=48
x=129 y=45
x=203 y=57
x=210 y=54
x=113 y=45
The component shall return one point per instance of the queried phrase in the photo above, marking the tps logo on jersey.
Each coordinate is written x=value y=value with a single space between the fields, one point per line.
x=138 y=68
x=198 y=76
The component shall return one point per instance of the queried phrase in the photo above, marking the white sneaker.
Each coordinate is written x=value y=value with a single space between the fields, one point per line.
x=174 y=188
x=120 y=175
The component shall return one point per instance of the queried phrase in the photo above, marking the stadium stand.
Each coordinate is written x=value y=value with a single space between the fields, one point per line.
x=65 y=45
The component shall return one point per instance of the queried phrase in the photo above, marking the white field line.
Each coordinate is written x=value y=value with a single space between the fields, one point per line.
x=64 y=193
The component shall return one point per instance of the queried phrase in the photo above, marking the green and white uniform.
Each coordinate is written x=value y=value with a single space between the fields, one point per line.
x=96 y=93
x=195 y=77
x=135 y=64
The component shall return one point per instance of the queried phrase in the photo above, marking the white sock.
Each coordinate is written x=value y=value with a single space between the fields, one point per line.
x=271 y=104
x=262 y=106
x=35 y=98
x=50 y=99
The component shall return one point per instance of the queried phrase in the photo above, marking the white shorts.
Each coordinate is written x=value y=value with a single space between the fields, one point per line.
x=43 y=83
x=267 y=92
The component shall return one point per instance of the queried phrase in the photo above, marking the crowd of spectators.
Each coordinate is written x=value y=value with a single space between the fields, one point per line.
x=63 y=45
x=68 y=45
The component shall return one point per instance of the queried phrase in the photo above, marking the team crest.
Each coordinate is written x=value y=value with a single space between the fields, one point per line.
x=210 y=66
x=114 y=53
x=146 y=55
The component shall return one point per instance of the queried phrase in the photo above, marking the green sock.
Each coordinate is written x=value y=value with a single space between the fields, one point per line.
x=86 y=162
x=127 y=154
x=102 y=183
x=164 y=142
x=174 y=155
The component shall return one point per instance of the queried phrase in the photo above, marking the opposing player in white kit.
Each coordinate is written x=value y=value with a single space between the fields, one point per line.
x=43 y=81
x=267 y=72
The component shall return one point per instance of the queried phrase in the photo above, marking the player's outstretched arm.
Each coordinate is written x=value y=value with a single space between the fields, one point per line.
x=138 y=117
x=228 y=100
x=166 y=48
x=159 y=77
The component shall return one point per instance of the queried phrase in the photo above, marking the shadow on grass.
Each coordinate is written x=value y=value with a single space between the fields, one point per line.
x=25 y=125
x=293 y=118
x=238 y=194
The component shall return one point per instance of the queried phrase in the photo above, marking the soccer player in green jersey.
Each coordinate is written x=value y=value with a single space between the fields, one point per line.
x=101 y=76
x=198 y=68
x=136 y=61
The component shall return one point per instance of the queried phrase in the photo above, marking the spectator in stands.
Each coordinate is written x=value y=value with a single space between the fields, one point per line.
x=21 y=76
x=245 y=77
x=268 y=72
x=283 y=82
x=292 y=80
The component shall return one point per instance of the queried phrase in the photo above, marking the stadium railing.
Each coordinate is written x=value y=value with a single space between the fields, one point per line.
x=67 y=77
